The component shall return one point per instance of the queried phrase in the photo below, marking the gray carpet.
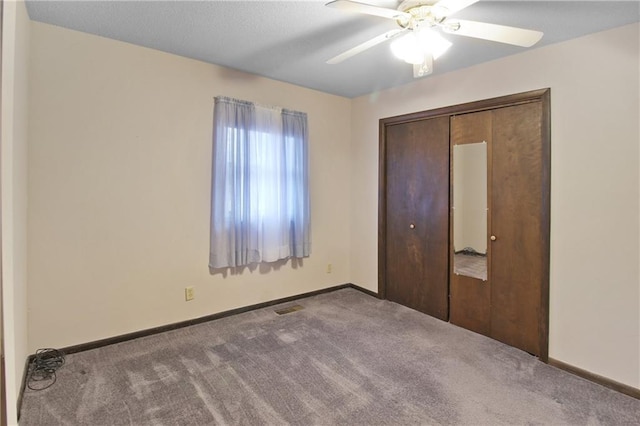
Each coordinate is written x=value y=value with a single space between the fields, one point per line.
x=346 y=358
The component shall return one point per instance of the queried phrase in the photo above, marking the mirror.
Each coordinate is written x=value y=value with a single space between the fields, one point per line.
x=470 y=210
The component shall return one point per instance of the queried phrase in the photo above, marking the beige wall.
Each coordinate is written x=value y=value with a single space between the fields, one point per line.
x=13 y=154
x=595 y=303
x=119 y=189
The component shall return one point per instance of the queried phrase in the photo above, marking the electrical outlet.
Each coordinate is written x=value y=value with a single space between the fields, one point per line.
x=188 y=293
x=329 y=268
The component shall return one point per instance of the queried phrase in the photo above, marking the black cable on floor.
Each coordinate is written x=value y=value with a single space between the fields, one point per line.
x=42 y=371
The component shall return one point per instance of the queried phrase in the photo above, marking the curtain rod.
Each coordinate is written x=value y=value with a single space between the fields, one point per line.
x=242 y=101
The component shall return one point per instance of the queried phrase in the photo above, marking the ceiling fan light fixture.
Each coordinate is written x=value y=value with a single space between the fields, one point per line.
x=408 y=48
x=413 y=47
x=433 y=42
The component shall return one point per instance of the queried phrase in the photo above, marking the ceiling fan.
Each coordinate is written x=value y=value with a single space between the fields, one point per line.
x=417 y=42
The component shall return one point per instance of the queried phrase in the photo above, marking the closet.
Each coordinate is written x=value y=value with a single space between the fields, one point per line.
x=464 y=216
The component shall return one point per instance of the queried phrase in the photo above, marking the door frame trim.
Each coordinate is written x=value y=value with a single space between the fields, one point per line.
x=3 y=370
x=541 y=95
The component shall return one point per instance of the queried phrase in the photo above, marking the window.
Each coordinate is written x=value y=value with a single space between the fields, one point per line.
x=260 y=196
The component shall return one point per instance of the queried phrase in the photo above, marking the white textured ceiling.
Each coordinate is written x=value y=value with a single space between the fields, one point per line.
x=291 y=40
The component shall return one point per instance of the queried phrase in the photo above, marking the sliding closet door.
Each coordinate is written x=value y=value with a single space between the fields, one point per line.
x=417 y=220
x=518 y=226
x=470 y=288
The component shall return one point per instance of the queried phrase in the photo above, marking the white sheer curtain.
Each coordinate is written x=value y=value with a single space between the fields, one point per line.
x=260 y=179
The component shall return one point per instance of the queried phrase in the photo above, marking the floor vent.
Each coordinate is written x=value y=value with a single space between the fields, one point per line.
x=289 y=309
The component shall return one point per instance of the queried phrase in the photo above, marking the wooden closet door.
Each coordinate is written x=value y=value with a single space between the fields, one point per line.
x=417 y=215
x=517 y=223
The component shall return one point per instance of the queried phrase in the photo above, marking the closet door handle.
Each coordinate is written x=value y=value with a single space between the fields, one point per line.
x=493 y=238
x=412 y=226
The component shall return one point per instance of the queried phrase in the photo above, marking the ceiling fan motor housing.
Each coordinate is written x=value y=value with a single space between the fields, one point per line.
x=423 y=13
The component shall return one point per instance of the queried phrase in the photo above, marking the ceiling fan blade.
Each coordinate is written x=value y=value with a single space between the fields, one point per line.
x=493 y=32
x=366 y=45
x=353 y=6
x=452 y=6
